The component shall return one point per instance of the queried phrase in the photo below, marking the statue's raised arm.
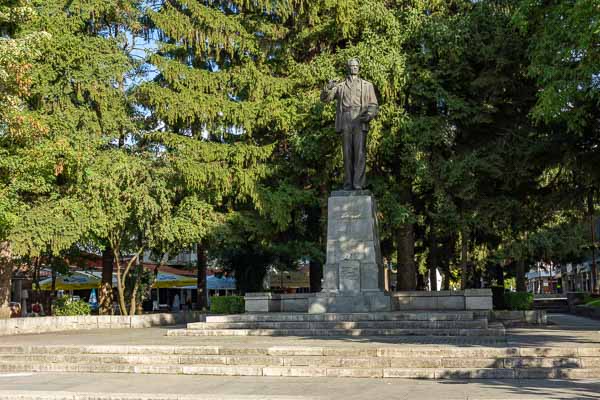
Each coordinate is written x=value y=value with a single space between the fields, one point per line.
x=329 y=91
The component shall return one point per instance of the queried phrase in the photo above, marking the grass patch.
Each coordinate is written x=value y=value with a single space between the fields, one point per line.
x=593 y=303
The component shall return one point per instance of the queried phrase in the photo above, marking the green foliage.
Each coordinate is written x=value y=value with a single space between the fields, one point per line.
x=487 y=134
x=65 y=306
x=507 y=300
x=518 y=300
x=593 y=303
x=564 y=55
x=227 y=304
x=591 y=300
x=18 y=51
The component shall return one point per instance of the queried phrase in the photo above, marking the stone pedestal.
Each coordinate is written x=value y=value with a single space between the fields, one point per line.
x=353 y=279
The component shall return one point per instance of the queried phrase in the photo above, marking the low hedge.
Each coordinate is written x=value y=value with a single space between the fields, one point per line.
x=518 y=301
x=507 y=300
x=64 y=306
x=227 y=304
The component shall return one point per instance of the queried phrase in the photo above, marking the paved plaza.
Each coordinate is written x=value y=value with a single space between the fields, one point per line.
x=563 y=331
x=46 y=386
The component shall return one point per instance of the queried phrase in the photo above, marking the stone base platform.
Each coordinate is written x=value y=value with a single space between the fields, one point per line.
x=444 y=300
x=459 y=323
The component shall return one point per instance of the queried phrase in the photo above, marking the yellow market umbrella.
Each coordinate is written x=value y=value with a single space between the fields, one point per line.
x=166 y=280
x=74 y=281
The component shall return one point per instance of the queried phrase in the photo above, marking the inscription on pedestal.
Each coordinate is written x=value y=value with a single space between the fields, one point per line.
x=349 y=276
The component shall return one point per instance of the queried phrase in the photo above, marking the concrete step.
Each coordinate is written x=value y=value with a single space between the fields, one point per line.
x=349 y=317
x=310 y=371
x=350 y=350
x=551 y=305
x=439 y=362
x=99 y=360
x=492 y=331
x=477 y=323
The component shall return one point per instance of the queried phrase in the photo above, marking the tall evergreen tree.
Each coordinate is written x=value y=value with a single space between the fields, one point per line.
x=564 y=54
x=19 y=50
x=77 y=92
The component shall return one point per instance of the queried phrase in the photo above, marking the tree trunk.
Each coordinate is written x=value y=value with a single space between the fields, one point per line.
x=520 y=276
x=315 y=275
x=6 y=270
x=105 y=294
x=448 y=254
x=319 y=221
x=447 y=277
x=406 y=278
x=120 y=287
x=595 y=286
x=420 y=282
x=433 y=259
x=49 y=300
x=202 y=264
x=37 y=297
x=54 y=276
x=500 y=274
x=133 y=305
x=477 y=277
x=464 y=262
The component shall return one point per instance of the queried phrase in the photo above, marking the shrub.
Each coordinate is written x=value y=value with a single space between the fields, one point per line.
x=518 y=301
x=67 y=307
x=227 y=304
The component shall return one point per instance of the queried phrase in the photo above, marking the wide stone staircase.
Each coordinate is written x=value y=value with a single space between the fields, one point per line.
x=422 y=323
x=342 y=360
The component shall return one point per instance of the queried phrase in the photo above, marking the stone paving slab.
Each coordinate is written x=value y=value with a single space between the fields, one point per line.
x=53 y=386
x=157 y=336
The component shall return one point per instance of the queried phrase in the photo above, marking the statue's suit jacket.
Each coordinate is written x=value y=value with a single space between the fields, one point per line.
x=368 y=103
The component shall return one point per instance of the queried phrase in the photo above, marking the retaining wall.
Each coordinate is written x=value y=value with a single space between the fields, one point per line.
x=456 y=300
x=512 y=318
x=15 y=326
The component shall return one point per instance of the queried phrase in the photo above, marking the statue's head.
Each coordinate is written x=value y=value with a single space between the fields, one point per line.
x=353 y=66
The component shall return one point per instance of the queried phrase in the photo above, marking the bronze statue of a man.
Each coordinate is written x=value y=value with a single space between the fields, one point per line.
x=356 y=106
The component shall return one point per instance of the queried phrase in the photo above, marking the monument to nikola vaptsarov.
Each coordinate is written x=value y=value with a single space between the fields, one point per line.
x=353 y=274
